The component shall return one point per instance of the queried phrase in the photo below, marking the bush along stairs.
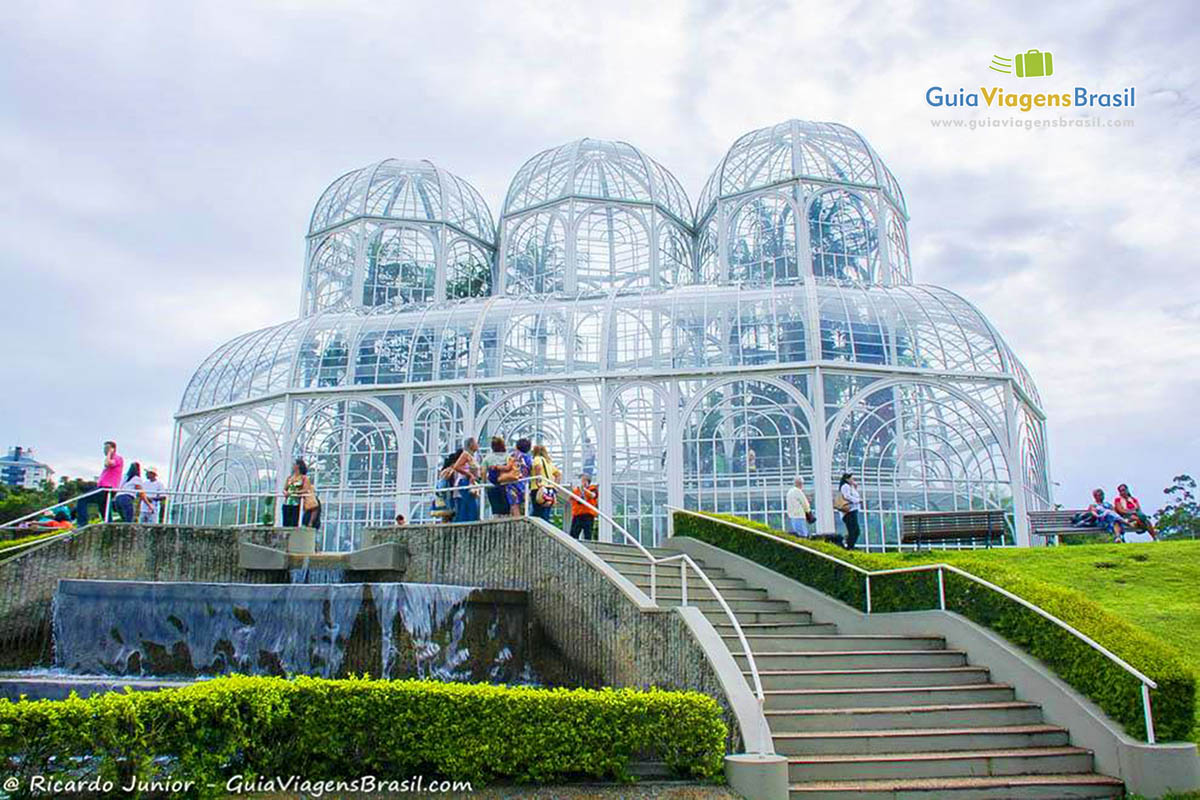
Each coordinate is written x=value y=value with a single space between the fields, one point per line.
x=880 y=716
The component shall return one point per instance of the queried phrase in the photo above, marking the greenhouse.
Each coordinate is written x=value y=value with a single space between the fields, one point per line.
x=696 y=359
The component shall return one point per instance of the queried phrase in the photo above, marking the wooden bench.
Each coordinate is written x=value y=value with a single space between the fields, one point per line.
x=1055 y=524
x=930 y=527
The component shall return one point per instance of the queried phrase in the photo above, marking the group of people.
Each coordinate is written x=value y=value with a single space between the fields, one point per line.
x=127 y=495
x=510 y=479
x=847 y=501
x=1123 y=514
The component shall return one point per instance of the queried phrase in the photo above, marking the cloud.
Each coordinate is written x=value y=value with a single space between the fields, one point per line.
x=159 y=176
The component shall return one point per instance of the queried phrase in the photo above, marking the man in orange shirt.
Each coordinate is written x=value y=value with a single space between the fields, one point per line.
x=583 y=517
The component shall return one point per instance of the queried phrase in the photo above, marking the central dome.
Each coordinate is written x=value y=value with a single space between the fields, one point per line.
x=596 y=169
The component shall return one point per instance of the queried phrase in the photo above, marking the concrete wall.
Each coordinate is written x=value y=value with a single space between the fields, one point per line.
x=113 y=552
x=597 y=619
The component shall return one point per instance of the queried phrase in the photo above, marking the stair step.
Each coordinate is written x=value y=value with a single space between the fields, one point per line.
x=880 y=697
x=787 y=628
x=869 y=678
x=640 y=570
x=699 y=592
x=920 y=740
x=716 y=615
x=852 y=659
x=740 y=606
x=672 y=581
x=951 y=764
x=809 y=642
x=627 y=549
x=960 y=715
x=1027 y=787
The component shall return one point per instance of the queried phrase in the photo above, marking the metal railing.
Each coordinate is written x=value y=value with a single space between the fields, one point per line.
x=1146 y=682
x=685 y=562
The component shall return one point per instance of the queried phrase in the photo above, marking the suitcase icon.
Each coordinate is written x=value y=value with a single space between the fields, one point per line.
x=1034 y=64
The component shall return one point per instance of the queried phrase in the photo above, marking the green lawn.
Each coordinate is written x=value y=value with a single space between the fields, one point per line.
x=1153 y=585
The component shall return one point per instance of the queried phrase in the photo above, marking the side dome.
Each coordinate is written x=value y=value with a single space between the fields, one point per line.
x=798 y=181
x=397 y=232
x=594 y=215
x=404 y=190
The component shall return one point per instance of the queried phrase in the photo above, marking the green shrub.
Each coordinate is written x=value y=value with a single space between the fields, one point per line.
x=24 y=540
x=1089 y=672
x=342 y=729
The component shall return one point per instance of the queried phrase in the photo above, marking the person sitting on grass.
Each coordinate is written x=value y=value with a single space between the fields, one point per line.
x=1130 y=508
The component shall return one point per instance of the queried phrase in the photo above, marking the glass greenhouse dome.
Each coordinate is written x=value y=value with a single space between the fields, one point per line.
x=701 y=360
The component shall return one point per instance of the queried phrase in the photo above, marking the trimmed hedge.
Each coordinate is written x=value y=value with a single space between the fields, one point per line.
x=1113 y=689
x=342 y=729
x=11 y=543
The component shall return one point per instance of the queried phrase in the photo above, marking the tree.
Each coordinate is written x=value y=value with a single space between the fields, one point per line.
x=1179 y=518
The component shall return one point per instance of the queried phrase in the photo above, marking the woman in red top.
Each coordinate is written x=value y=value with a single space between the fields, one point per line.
x=1130 y=508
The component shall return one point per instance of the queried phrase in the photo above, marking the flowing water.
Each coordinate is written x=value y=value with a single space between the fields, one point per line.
x=127 y=628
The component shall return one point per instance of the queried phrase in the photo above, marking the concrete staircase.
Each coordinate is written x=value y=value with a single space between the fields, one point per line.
x=880 y=716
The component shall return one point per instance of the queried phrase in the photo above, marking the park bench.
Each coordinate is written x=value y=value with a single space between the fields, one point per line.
x=1055 y=524
x=941 y=527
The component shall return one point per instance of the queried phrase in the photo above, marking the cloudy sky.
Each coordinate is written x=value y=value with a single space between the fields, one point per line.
x=160 y=161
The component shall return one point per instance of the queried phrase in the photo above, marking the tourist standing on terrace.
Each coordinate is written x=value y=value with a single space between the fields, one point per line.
x=295 y=488
x=499 y=468
x=524 y=464
x=464 y=473
x=110 y=479
x=583 y=517
x=150 y=503
x=544 y=495
x=799 y=511
x=133 y=487
x=851 y=508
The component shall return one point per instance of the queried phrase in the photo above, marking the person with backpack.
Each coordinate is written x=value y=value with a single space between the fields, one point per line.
x=544 y=495
x=848 y=501
x=585 y=499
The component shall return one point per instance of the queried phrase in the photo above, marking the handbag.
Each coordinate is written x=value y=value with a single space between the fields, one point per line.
x=810 y=517
x=840 y=503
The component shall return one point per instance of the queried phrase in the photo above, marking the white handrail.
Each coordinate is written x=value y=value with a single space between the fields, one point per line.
x=1145 y=680
x=684 y=559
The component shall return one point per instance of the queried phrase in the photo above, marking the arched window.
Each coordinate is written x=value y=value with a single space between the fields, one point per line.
x=401 y=265
x=639 y=462
x=898 y=250
x=918 y=447
x=743 y=445
x=843 y=237
x=535 y=255
x=707 y=257
x=762 y=242
x=438 y=430
x=612 y=250
x=674 y=257
x=351 y=449
x=331 y=273
x=468 y=271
